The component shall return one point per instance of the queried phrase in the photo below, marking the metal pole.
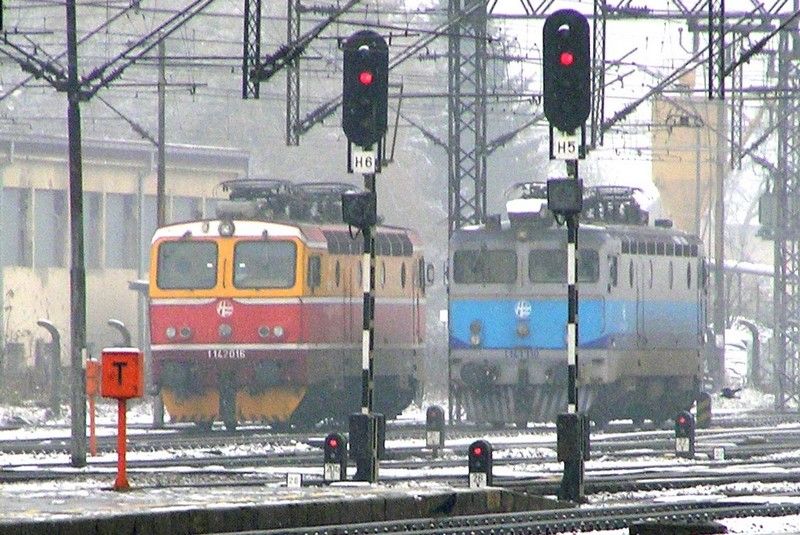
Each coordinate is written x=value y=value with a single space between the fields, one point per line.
x=719 y=245
x=77 y=268
x=2 y=289
x=161 y=181
x=160 y=170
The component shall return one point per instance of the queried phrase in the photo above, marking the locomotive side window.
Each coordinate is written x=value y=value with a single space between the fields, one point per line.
x=314 y=272
x=421 y=274
x=612 y=270
x=484 y=266
x=264 y=264
x=187 y=265
x=550 y=265
x=671 y=274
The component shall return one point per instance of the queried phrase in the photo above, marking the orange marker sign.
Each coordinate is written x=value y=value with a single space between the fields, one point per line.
x=123 y=373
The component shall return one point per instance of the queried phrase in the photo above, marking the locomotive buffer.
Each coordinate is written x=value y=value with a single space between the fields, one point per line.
x=364 y=120
x=567 y=103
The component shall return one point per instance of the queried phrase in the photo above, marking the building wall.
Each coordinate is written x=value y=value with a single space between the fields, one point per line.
x=119 y=181
x=684 y=145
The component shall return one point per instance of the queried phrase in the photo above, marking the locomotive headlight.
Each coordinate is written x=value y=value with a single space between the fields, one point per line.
x=171 y=332
x=277 y=331
x=225 y=330
x=523 y=330
x=186 y=332
x=226 y=228
x=475 y=329
x=263 y=331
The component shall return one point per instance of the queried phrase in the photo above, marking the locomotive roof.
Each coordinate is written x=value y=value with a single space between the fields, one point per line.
x=314 y=235
x=592 y=233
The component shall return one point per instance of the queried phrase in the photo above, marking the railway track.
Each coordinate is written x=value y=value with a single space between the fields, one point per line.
x=143 y=438
x=559 y=521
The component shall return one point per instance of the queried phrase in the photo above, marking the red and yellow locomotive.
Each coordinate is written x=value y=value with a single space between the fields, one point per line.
x=257 y=315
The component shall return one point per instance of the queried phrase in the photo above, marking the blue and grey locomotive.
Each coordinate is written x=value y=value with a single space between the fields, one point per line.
x=642 y=293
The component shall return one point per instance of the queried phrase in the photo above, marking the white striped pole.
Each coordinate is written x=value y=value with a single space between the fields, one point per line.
x=369 y=469
x=572 y=485
x=572 y=314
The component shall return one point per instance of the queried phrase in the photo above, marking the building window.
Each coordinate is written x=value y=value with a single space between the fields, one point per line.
x=121 y=230
x=15 y=217
x=211 y=208
x=92 y=220
x=186 y=209
x=149 y=225
x=50 y=225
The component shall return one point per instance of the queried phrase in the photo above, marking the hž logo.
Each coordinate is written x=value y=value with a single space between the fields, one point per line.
x=225 y=308
x=523 y=310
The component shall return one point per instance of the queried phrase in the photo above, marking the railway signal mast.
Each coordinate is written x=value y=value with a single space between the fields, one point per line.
x=567 y=104
x=364 y=106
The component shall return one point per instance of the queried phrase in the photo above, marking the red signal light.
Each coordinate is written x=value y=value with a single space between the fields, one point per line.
x=566 y=58
x=477 y=451
x=365 y=77
x=333 y=443
x=681 y=420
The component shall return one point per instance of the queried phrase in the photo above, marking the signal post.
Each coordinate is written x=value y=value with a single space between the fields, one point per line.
x=365 y=87
x=567 y=103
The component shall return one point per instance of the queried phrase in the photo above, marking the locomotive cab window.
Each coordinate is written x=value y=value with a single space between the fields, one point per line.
x=264 y=264
x=485 y=266
x=187 y=265
x=550 y=265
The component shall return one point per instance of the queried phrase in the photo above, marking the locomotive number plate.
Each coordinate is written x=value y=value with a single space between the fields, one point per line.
x=224 y=354
x=521 y=353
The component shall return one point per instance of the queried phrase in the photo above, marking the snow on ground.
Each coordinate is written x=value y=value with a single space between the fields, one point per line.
x=31 y=421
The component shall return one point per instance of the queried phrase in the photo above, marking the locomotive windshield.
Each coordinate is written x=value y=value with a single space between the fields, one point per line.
x=550 y=265
x=484 y=266
x=187 y=265
x=264 y=264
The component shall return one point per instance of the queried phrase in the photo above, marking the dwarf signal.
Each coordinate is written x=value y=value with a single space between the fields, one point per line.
x=335 y=454
x=480 y=464
x=684 y=435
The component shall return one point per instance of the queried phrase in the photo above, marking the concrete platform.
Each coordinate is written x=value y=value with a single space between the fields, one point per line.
x=92 y=508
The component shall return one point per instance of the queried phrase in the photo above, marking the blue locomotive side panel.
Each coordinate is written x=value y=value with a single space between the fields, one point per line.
x=546 y=320
x=602 y=324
